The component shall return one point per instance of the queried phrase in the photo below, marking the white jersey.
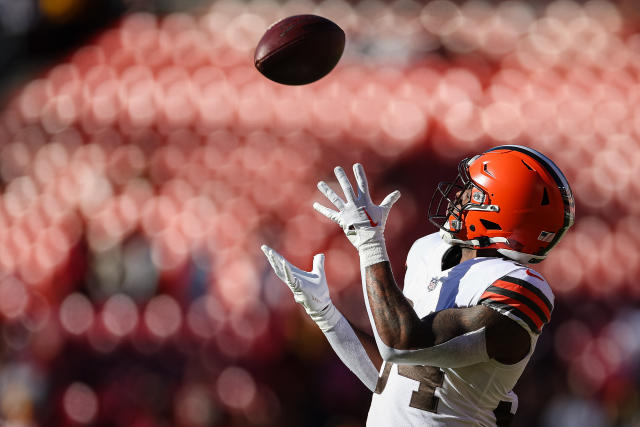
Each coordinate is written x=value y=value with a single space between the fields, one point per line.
x=429 y=396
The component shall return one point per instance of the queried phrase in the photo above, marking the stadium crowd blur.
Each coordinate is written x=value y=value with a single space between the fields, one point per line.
x=142 y=167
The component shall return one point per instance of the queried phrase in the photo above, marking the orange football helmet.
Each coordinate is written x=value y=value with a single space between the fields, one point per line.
x=511 y=198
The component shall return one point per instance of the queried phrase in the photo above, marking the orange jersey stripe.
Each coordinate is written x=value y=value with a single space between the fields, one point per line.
x=516 y=304
x=524 y=292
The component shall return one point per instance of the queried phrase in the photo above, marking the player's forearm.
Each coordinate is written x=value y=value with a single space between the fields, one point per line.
x=394 y=318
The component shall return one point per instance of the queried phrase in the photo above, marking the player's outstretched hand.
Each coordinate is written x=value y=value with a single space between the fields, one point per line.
x=362 y=220
x=309 y=287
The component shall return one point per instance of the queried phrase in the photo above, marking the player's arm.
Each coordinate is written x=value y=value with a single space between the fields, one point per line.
x=446 y=339
x=311 y=291
x=481 y=332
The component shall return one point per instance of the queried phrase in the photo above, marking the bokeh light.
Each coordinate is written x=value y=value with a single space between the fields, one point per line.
x=76 y=314
x=80 y=403
x=236 y=387
x=163 y=316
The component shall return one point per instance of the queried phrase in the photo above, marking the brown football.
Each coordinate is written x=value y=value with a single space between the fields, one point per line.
x=299 y=49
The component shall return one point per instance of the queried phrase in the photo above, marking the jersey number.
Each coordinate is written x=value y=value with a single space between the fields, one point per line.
x=429 y=378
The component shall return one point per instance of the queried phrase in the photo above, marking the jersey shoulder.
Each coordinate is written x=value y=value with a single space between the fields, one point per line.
x=524 y=296
x=424 y=246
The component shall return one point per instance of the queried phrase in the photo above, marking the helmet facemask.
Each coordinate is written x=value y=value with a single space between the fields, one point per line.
x=451 y=200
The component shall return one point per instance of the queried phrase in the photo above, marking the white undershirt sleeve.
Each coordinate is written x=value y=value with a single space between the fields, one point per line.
x=347 y=346
x=463 y=350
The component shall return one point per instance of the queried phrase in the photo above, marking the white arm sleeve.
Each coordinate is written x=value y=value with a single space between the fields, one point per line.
x=464 y=350
x=347 y=346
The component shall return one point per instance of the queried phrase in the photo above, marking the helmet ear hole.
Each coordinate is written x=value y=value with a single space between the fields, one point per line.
x=528 y=167
x=490 y=225
x=545 y=197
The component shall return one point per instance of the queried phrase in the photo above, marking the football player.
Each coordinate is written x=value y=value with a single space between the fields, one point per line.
x=449 y=348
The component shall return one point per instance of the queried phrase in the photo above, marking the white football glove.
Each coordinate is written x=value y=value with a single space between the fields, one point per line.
x=362 y=220
x=309 y=287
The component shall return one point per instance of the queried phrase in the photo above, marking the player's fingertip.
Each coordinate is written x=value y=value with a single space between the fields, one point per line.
x=395 y=196
x=320 y=208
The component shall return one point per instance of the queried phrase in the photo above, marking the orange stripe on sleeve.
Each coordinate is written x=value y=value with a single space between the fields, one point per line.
x=525 y=292
x=516 y=304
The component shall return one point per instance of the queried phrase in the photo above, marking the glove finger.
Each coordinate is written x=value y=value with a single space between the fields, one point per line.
x=291 y=281
x=275 y=259
x=361 y=179
x=329 y=213
x=318 y=264
x=391 y=199
x=331 y=195
x=345 y=184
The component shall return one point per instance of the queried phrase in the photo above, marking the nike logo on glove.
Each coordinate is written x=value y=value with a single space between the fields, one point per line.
x=371 y=221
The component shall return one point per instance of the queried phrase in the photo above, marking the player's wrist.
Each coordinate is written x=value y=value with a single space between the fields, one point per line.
x=327 y=318
x=373 y=251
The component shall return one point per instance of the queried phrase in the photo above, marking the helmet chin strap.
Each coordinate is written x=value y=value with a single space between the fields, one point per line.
x=447 y=236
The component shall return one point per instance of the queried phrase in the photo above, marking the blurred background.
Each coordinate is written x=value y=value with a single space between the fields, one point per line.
x=144 y=160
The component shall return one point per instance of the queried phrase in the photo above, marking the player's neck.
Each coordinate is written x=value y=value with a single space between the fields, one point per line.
x=468 y=253
x=456 y=255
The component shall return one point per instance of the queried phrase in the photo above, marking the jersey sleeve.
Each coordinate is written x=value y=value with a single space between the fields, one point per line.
x=415 y=273
x=523 y=296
